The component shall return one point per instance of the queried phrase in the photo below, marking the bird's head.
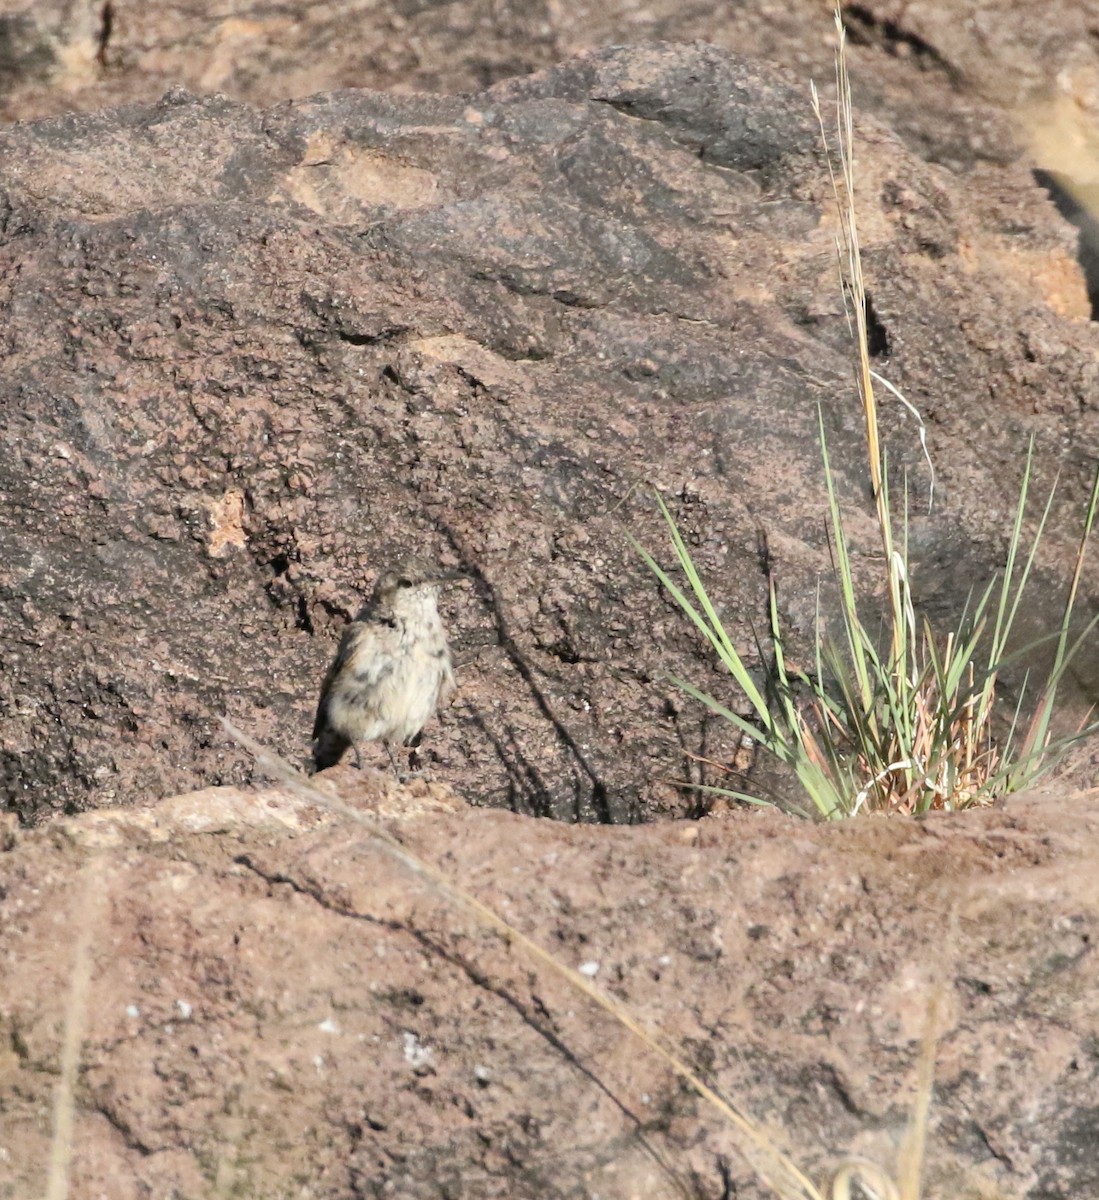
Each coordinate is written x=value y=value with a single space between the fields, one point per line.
x=411 y=586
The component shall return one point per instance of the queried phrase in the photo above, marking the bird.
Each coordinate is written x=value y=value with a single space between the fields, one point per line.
x=392 y=669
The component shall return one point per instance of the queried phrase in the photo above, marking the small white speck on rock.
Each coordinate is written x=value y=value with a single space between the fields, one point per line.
x=419 y=1057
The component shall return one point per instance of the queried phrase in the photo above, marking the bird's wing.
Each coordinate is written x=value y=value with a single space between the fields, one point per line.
x=364 y=650
x=446 y=683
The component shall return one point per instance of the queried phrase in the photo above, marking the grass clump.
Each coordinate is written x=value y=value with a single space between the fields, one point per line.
x=905 y=719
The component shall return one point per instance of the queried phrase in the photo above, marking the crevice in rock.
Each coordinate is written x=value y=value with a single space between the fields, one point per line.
x=18 y=1046
x=1079 y=209
x=345 y=325
x=353 y=338
x=990 y=1143
x=831 y=1078
x=283 y=593
x=877 y=336
x=335 y=610
x=313 y=891
x=129 y=1139
x=565 y=652
x=106 y=28
x=303 y=620
x=866 y=28
x=571 y=300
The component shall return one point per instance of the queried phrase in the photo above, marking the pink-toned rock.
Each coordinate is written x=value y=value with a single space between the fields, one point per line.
x=476 y=337
x=276 y=1004
x=252 y=349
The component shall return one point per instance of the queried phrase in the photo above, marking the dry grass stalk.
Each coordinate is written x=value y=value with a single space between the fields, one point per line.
x=772 y=1166
x=85 y=918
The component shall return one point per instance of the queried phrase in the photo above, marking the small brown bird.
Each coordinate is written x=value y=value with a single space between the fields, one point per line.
x=391 y=672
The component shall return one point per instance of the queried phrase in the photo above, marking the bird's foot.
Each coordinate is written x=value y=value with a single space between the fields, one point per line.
x=393 y=763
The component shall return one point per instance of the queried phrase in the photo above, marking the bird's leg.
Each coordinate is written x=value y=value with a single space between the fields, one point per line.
x=393 y=762
x=358 y=757
x=413 y=745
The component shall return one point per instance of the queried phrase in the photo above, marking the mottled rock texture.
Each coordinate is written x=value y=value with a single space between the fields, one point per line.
x=255 y=345
x=252 y=355
x=278 y=1009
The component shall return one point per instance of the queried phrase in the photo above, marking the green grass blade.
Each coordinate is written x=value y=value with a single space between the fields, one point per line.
x=855 y=633
x=1038 y=734
x=757 y=733
x=725 y=650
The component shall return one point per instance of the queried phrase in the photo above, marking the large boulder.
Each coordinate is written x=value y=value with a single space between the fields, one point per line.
x=253 y=356
x=272 y=1006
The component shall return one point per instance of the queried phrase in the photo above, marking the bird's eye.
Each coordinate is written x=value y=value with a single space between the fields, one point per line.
x=403 y=582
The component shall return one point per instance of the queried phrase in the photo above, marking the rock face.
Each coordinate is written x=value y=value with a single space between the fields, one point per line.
x=944 y=72
x=257 y=347
x=277 y=1008
x=252 y=355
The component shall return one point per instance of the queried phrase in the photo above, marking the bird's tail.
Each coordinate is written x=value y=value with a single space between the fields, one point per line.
x=328 y=748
